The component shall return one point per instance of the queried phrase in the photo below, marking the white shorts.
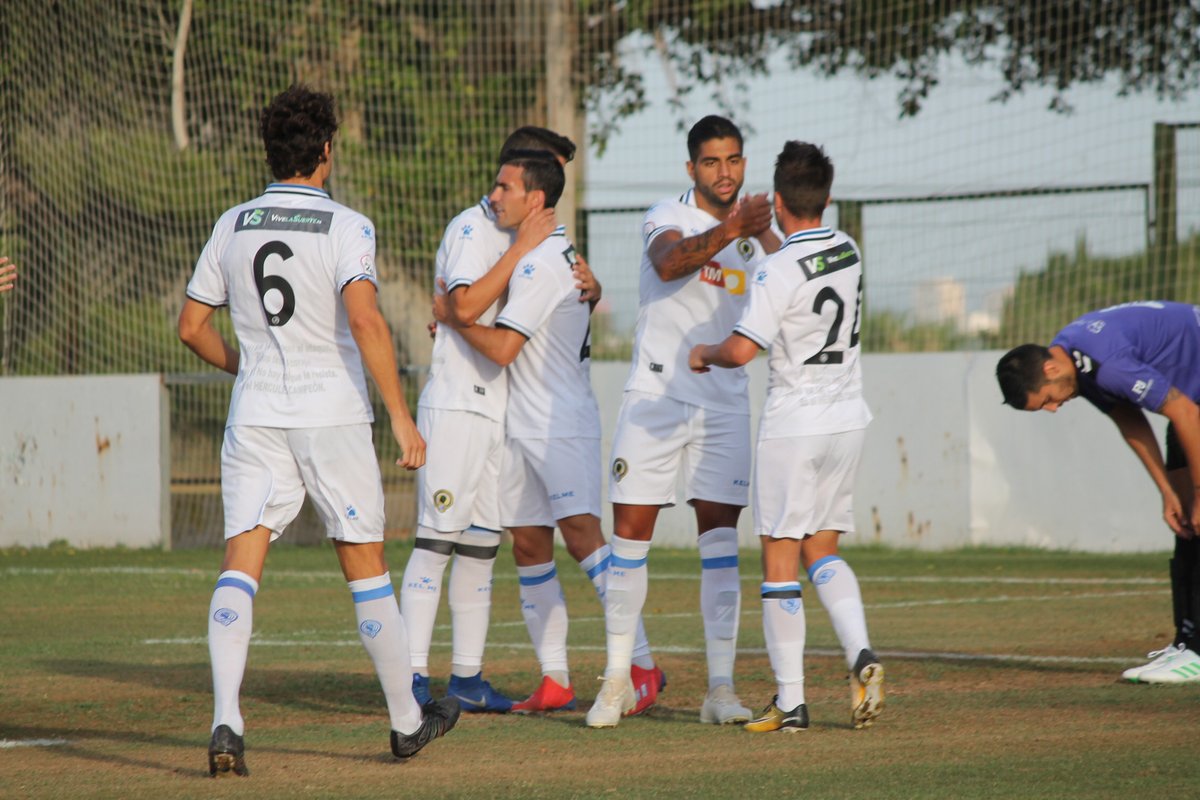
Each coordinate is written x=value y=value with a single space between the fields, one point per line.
x=656 y=435
x=459 y=484
x=265 y=473
x=545 y=480
x=805 y=484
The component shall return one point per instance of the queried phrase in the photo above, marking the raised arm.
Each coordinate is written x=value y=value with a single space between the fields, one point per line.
x=467 y=303
x=8 y=274
x=675 y=256
x=374 y=338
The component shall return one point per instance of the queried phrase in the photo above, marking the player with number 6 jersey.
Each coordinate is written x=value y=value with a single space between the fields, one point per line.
x=805 y=306
x=297 y=271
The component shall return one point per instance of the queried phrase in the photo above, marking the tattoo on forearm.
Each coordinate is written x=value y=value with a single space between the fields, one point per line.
x=692 y=253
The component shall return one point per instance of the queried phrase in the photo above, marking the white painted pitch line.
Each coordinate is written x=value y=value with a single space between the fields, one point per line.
x=665 y=576
x=10 y=744
x=910 y=655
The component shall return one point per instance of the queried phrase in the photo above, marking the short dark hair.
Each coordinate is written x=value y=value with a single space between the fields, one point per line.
x=803 y=175
x=1021 y=372
x=531 y=137
x=711 y=127
x=295 y=127
x=540 y=170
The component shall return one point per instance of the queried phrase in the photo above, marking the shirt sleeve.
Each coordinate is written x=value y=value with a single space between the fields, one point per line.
x=208 y=284
x=1132 y=380
x=355 y=252
x=467 y=257
x=769 y=299
x=534 y=291
x=660 y=217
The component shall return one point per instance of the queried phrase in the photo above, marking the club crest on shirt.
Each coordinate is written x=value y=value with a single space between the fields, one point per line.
x=620 y=468
x=745 y=249
x=443 y=499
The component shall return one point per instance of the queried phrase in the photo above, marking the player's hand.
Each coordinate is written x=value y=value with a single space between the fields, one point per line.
x=585 y=281
x=750 y=217
x=412 y=446
x=534 y=229
x=8 y=274
x=696 y=359
x=432 y=328
x=1173 y=515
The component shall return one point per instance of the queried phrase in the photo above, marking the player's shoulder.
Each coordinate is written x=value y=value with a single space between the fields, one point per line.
x=818 y=251
x=556 y=250
x=470 y=225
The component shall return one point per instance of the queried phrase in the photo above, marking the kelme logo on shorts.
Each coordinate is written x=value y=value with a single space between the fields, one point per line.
x=442 y=499
x=619 y=468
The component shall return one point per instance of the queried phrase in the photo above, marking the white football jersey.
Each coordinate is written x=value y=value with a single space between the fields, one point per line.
x=673 y=316
x=280 y=263
x=550 y=385
x=806 y=305
x=460 y=378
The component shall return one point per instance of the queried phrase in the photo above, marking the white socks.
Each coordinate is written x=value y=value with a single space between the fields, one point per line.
x=784 y=628
x=623 y=601
x=381 y=629
x=720 y=601
x=471 y=598
x=837 y=587
x=595 y=566
x=230 y=621
x=545 y=613
x=422 y=590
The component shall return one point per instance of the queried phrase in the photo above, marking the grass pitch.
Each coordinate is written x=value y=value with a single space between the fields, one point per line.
x=1002 y=670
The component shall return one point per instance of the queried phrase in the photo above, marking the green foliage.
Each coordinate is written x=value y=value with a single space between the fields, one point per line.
x=1044 y=301
x=895 y=332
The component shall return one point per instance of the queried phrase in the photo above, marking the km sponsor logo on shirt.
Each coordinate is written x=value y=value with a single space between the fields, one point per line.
x=732 y=280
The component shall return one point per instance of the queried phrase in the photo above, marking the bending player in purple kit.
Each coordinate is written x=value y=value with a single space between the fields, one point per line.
x=1127 y=360
x=698 y=251
x=551 y=472
x=804 y=305
x=297 y=271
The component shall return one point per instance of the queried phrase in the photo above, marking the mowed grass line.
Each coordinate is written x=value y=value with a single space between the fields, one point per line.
x=104 y=650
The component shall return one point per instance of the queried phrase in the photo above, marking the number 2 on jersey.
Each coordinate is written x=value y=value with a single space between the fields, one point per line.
x=266 y=283
x=830 y=295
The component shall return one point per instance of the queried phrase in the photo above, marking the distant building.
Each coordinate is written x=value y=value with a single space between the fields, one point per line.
x=940 y=300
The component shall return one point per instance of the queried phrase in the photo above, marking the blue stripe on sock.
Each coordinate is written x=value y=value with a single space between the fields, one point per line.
x=721 y=562
x=779 y=587
x=596 y=570
x=537 y=580
x=236 y=583
x=822 y=562
x=373 y=594
x=628 y=563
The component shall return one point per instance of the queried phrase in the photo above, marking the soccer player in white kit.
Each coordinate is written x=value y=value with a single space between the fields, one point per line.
x=805 y=305
x=699 y=250
x=461 y=415
x=551 y=473
x=297 y=271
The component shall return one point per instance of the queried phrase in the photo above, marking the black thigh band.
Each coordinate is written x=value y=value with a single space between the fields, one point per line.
x=442 y=547
x=482 y=552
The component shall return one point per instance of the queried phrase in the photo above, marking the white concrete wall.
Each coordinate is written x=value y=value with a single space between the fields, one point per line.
x=84 y=459
x=947 y=465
